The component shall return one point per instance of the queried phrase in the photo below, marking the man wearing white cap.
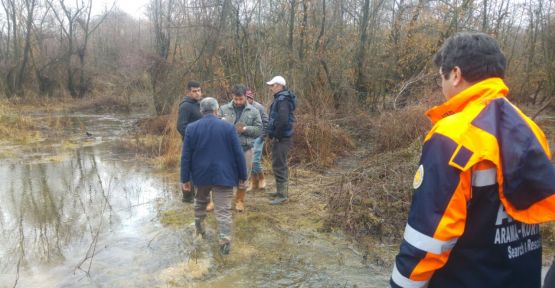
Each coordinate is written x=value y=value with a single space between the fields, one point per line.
x=280 y=132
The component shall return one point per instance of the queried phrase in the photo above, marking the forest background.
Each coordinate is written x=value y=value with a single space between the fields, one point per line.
x=362 y=70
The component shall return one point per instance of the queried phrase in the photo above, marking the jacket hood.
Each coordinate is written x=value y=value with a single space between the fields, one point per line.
x=485 y=90
x=497 y=131
x=287 y=95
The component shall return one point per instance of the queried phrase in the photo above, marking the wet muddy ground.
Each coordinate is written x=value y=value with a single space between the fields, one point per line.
x=77 y=211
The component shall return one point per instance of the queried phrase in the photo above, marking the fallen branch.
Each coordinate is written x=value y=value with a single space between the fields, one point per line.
x=544 y=106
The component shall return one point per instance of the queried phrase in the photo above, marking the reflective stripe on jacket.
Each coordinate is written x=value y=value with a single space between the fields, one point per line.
x=484 y=183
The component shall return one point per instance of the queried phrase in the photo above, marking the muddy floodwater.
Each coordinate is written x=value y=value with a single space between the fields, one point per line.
x=76 y=210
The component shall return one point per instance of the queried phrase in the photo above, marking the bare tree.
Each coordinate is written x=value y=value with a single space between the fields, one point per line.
x=361 y=83
x=71 y=15
x=30 y=8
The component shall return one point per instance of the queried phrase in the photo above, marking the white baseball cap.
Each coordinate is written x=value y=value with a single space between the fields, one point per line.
x=277 y=80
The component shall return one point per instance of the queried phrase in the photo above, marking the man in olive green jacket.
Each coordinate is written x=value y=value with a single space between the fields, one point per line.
x=248 y=125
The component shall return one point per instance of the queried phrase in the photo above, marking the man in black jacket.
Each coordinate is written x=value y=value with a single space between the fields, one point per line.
x=189 y=112
x=280 y=131
x=189 y=109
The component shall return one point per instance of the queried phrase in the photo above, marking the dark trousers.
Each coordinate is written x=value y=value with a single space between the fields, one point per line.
x=280 y=151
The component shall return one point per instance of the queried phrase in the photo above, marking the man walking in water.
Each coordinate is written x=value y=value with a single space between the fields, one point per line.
x=212 y=160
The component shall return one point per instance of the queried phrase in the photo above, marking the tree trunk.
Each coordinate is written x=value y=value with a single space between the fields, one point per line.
x=361 y=83
x=484 y=15
x=30 y=4
x=291 y=30
x=303 y=30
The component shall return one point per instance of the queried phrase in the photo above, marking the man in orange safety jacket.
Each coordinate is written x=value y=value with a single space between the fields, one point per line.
x=484 y=183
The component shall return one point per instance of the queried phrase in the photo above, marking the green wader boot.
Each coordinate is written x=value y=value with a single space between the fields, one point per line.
x=281 y=194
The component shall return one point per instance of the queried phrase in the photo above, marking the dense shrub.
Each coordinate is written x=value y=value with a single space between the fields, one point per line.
x=318 y=141
x=397 y=129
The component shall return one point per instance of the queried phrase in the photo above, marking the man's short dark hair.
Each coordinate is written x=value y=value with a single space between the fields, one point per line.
x=192 y=84
x=477 y=55
x=238 y=90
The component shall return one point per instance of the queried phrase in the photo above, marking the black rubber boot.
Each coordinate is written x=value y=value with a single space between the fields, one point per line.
x=281 y=194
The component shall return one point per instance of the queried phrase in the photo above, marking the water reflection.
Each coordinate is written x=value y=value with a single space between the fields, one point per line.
x=91 y=217
x=59 y=219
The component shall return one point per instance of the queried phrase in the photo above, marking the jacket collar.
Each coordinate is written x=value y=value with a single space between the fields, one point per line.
x=189 y=99
x=247 y=105
x=482 y=91
x=209 y=117
x=284 y=92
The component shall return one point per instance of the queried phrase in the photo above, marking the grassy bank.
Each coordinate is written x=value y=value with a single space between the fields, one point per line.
x=14 y=126
x=17 y=126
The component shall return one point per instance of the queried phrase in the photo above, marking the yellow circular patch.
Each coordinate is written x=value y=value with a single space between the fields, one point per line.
x=418 y=177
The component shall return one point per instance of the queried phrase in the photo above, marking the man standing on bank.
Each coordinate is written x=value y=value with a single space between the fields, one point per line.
x=484 y=182
x=257 y=175
x=212 y=159
x=280 y=132
x=248 y=125
x=189 y=112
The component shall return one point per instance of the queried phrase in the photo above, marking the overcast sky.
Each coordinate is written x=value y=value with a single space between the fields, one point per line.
x=135 y=8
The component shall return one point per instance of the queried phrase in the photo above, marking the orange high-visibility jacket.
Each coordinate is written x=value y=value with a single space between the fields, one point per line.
x=484 y=182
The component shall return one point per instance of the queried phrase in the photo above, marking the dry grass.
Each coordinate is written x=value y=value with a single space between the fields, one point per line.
x=397 y=129
x=318 y=141
x=372 y=202
x=171 y=143
x=158 y=140
x=14 y=127
x=374 y=199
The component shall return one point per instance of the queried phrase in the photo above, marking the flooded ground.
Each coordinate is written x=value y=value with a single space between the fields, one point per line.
x=77 y=212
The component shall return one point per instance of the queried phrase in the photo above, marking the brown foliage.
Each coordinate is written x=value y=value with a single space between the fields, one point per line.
x=157 y=138
x=169 y=140
x=318 y=141
x=154 y=125
x=397 y=129
x=374 y=199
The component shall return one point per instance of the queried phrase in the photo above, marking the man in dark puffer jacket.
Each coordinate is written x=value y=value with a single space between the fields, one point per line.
x=280 y=132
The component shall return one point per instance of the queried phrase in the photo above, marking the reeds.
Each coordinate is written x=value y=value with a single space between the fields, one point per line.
x=14 y=126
